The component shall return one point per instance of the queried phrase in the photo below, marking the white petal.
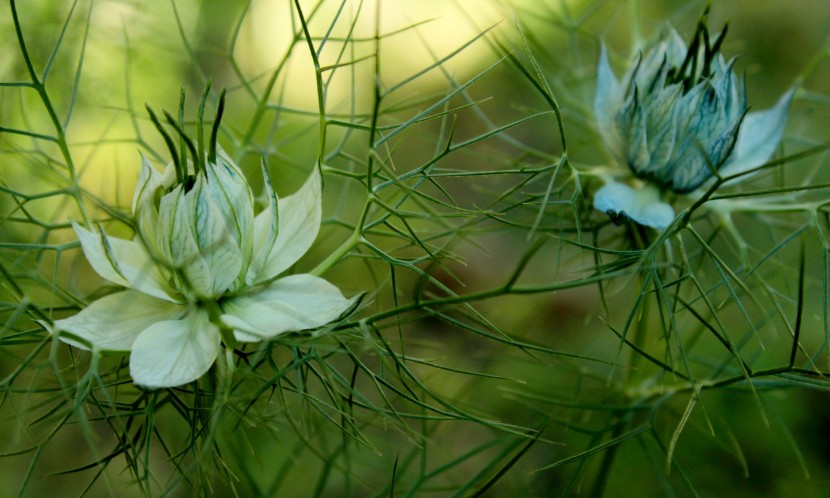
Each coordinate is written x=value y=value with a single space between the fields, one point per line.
x=196 y=241
x=174 y=352
x=113 y=322
x=299 y=221
x=145 y=203
x=123 y=262
x=216 y=239
x=758 y=137
x=266 y=228
x=293 y=303
x=642 y=205
x=232 y=193
x=148 y=181
x=236 y=203
x=102 y=261
x=178 y=242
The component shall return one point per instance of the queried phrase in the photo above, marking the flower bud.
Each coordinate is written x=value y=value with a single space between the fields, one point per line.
x=677 y=119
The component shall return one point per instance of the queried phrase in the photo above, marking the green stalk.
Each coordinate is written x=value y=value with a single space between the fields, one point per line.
x=215 y=130
x=200 y=132
x=187 y=140
x=177 y=165
x=40 y=88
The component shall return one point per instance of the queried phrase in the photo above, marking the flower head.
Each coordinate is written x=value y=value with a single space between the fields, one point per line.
x=201 y=271
x=678 y=118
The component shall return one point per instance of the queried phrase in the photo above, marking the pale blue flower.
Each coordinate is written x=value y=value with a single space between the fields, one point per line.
x=677 y=117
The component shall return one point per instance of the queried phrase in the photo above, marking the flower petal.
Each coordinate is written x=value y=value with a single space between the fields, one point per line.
x=759 y=136
x=607 y=101
x=266 y=228
x=97 y=249
x=124 y=262
x=113 y=322
x=148 y=181
x=642 y=205
x=232 y=193
x=178 y=242
x=216 y=236
x=196 y=241
x=293 y=303
x=299 y=221
x=145 y=201
x=174 y=352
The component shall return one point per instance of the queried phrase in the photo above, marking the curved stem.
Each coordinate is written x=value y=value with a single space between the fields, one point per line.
x=40 y=88
x=353 y=241
x=337 y=255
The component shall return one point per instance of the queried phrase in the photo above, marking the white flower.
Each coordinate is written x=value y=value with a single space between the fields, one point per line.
x=678 y=115
x=202 y=262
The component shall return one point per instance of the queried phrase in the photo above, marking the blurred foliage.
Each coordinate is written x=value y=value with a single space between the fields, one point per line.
x=513 y=342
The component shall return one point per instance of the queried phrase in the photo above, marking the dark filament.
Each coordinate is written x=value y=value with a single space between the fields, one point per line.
x=701 y=47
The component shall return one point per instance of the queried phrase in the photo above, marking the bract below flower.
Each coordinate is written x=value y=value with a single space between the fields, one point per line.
x=201 y=261
x=677 y=117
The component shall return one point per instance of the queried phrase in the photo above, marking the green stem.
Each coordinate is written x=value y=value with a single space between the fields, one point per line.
x=598 y=490
x=353 y=241
x=215 y=313
x=262 y=103
x=377 y=97
x=40 y=88
x=318 y=77
x=338 y=254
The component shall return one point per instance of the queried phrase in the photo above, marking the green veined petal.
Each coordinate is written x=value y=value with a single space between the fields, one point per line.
x=113 y=322
x=293 y=303
x=174 y=352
